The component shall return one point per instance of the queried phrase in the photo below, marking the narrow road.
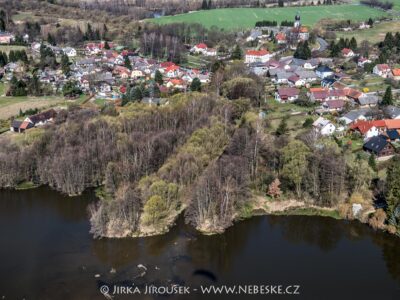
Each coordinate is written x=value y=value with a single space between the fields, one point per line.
x=323 y=45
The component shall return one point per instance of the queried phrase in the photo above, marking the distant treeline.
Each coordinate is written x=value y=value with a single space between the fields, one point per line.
x=265 y=23
x=376 y=3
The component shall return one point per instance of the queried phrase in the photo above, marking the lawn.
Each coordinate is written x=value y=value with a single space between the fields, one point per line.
x=196 y=62
x=244 y=18
x=374 y=34
x=10 y=106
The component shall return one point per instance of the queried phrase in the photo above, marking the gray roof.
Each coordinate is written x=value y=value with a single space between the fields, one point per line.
x=368 y=99
x=306 y=74
x=355 y=114
x=283 y=74
x=392 y=111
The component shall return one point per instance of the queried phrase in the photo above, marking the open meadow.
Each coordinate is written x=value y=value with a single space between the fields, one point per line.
x=245 y=18
x=374 y=35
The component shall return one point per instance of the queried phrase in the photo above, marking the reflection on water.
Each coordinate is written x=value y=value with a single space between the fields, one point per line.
x=48 y=253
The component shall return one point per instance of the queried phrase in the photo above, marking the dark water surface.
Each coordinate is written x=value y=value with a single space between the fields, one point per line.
x=47 y=253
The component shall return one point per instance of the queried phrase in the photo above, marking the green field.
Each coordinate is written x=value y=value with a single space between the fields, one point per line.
x=244 y=18
x=374 y=34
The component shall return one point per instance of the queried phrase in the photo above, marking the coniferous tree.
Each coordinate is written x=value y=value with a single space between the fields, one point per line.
x=388 y=97
x=65 y=64
x=195 y=85
x=127 y=63
x=237 y=53
x=158 y=77
x=353 y=44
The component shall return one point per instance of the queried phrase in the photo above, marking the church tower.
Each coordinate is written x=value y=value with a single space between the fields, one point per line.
x=297 y=22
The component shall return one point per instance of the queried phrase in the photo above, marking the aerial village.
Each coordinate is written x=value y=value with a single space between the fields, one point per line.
x=103 y=72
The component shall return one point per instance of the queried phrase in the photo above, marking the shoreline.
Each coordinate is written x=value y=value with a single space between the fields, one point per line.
x=261 y=206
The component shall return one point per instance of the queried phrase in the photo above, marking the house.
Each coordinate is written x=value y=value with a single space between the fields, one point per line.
x=324 y=71
x=172 y=71
x=281 y=76
x=324 y=126
x=255 y=34
x=368 y=100
x=393 y=135
x=362 y=61
x=347 y=52
x=379 y=146
x=334 y=105
x=295 y=80
x=69 y=51
x=392 y=124
x=177 y=84
x=392 y=112
x=280 y=38
x=6 y=38
x=202 y=48
x=253 y=56
x=20 y=126
x=323 y=94
x=311 y=64
x=137 y=74
x=365 y=128
x=105 y=87
x=288 y=94
x=354 y=115
x=39 y=119
x=92 y=49
x=396 y=74
x=382 y=70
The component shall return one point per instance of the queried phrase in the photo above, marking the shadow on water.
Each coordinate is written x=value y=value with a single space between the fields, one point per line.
x=49 y=254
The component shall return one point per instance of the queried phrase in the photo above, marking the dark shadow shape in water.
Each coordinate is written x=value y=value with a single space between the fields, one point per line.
x=205 y=273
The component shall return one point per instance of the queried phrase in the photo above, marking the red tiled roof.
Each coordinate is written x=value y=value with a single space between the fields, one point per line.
x=288 y=92
x=346 y=51
x=257 y=52
x=280 y=36
x=362 y=126
x=166 y=64
x=392 y=124
x=172 y=68
x=396 y=72
x=24 y=125
x=201 y=46
x=383 y=67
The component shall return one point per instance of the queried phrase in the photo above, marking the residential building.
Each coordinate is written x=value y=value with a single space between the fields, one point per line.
x=255 y=56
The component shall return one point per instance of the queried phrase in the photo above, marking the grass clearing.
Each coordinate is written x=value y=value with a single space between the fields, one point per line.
x=373 y=35
x=10 y=106
x=245 y=18
x=311 y=211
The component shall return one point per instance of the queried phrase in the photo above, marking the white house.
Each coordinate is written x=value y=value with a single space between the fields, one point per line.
x=6 y=38
x=255 y=56
x=203 y=49
x=382 y=70
x=324 y=71
x=69 y=51
x=288 y=94
x=347 y=52
x=362 y=61
x=324 y=126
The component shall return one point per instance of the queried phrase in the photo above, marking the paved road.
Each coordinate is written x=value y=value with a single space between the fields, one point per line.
x=323 y=45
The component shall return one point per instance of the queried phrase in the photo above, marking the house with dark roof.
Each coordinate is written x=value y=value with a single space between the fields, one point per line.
x=324 y=71
x=41 y=118
x=392 y=134
x=289 y=94
x=379 y=146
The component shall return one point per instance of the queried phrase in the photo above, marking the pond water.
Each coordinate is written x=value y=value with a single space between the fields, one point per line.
x=48 y=253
